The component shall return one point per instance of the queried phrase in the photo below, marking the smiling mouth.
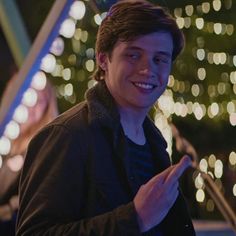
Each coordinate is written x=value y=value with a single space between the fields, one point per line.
x=145 y=85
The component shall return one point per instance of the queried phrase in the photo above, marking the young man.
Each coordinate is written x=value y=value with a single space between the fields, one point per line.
x=102 y=168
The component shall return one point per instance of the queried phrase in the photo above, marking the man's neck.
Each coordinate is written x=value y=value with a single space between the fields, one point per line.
x=132 y=123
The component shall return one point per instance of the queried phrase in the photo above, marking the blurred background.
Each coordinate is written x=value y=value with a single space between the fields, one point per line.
x=197 y=113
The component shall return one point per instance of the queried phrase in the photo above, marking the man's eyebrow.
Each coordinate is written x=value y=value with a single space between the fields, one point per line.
x=133 y=48
x=164 y=53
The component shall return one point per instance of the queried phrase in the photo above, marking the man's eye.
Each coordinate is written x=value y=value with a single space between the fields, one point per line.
x=133 y=55
x=161 y=60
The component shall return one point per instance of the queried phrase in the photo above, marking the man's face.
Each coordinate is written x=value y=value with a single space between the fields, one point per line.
x=137 y=72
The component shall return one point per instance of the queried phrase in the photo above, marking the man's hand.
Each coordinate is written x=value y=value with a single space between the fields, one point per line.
x=155 y=198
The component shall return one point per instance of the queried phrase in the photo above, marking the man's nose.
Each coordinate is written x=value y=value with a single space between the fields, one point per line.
x=147 y=69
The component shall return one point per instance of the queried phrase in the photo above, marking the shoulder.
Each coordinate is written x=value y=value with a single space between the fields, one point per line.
x=69 y=130
x=62 y=142
x=70 y=123
x=74 y=118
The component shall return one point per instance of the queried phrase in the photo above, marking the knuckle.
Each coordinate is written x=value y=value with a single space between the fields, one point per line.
x=142 y=187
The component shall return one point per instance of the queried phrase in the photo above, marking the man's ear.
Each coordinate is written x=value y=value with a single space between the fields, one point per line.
x=102 y=60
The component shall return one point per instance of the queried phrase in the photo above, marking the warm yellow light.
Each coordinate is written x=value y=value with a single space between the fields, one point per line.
x=171 y=81
x=57 y=46
x=48 y=63
x=98 y=19
x=92 y=83
x=203 y=165
x=214 y=108
x=189 y=10
x=184 y=110
x=229 y=29
x=72 y=59
x=206 y=7
x=90 y=65
x=230 y=107
x=178 y=12
x=5 y=145
x=66 y=74
x=201 y=73
x=176 y=86
x=39 y=81
x=67 y=28
x=223 y=58
x=15 y=163
x=199 y=112
x=234 y=190
x=232 y=158
x=57 y=72
x=68 y=90
x=200 y=195
x=187 y=22
x=217 y=28
x=201 y=54
x=12 y=130
x=210 y=173
x=223 y=31
x=180 y=22
x=77 y=10
x=218 y=169
x=180 y=109
x=90 y=53
x=84 y=36
x=210 y=56
x=200 y=23
x=232 y=119
x=199 y=182
x=216 y=5
x=78 y=34
x=219 y=58
x=212 y=160
x=30 y=97
x=166 y=103
x=21 y=114
x=190 y=107
x=233 y=77
x=195 y=90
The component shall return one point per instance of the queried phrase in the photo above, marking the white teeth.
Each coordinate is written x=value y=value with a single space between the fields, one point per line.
x=145 y=86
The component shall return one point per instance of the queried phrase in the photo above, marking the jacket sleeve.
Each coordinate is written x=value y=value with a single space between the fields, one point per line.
x=52 y=191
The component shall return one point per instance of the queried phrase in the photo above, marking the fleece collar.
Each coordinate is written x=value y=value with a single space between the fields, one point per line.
x=102 y=108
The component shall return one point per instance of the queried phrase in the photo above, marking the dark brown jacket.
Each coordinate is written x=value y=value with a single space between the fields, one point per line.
x=76 y=179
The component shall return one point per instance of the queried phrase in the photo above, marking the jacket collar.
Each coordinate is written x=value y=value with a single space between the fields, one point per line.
x=103 y=109
x=101 y=106
x=157 y=143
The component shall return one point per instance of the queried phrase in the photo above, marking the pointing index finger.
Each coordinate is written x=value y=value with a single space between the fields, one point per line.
x=178 y=170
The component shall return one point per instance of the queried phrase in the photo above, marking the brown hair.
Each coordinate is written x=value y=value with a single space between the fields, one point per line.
x=128 y=19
